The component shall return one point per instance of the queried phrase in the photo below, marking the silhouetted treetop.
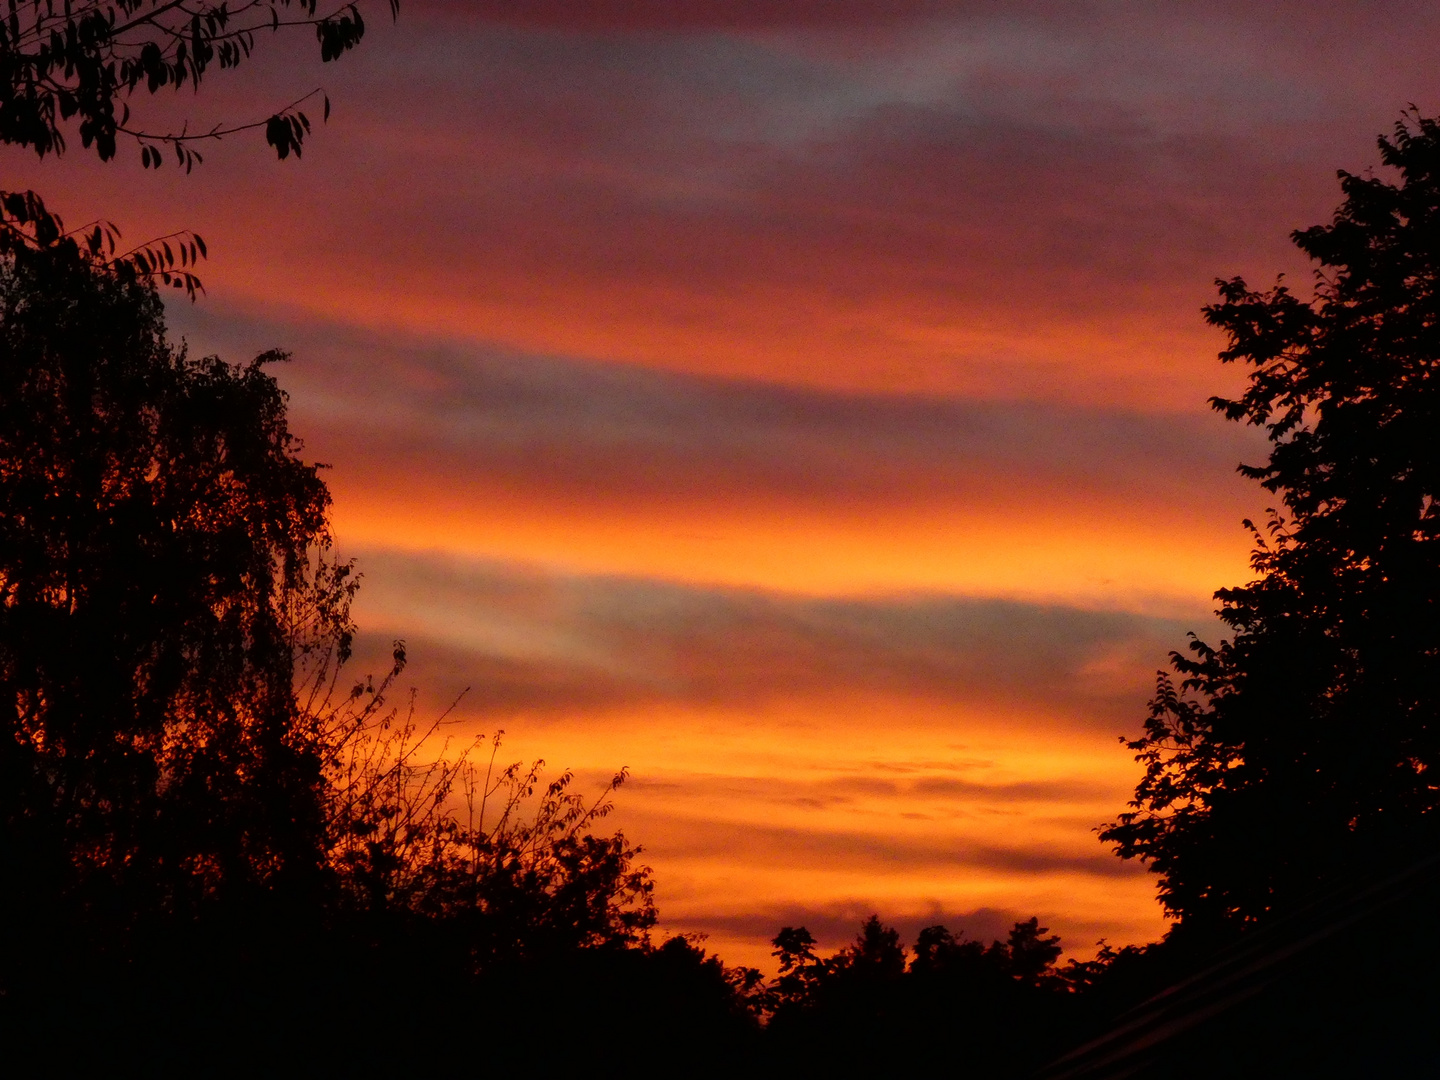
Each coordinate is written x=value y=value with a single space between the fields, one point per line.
x=1031 y=954
x=998 y=1008
x=1306 y=746
x=84 y=61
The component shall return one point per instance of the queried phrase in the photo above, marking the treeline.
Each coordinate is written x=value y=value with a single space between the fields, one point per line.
x=998 y=1009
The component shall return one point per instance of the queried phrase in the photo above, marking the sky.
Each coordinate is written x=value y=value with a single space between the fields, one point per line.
x=800 y=403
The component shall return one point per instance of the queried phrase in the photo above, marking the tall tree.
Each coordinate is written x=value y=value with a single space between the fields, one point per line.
x=182 y=774
x=1306 y=747
x=157 y=582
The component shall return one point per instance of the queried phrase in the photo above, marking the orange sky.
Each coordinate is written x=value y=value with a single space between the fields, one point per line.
x=802 y=404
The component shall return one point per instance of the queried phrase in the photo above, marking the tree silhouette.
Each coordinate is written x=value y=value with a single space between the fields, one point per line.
x=1031 y=956
x=157 y=533
x=205 y=832
x=83 y=62
x=1304 y=749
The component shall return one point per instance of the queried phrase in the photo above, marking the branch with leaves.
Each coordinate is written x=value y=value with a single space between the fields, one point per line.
x=84 y=62
x=167 y=260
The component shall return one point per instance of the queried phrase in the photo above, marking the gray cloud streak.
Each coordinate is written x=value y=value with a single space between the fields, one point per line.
x=538 y=643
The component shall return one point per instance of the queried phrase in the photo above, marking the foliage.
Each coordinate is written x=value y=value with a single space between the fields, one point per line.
x=84 y=61
x=1305 y=748
x=25 y=222
x=155 y=521
x=182 y=785
x=417 y=830
x=801 y=970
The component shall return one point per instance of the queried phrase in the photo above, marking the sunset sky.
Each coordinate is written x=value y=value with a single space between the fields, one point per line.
x=800 y=402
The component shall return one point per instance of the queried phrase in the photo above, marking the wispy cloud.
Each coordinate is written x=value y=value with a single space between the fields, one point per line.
x=555 y=643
